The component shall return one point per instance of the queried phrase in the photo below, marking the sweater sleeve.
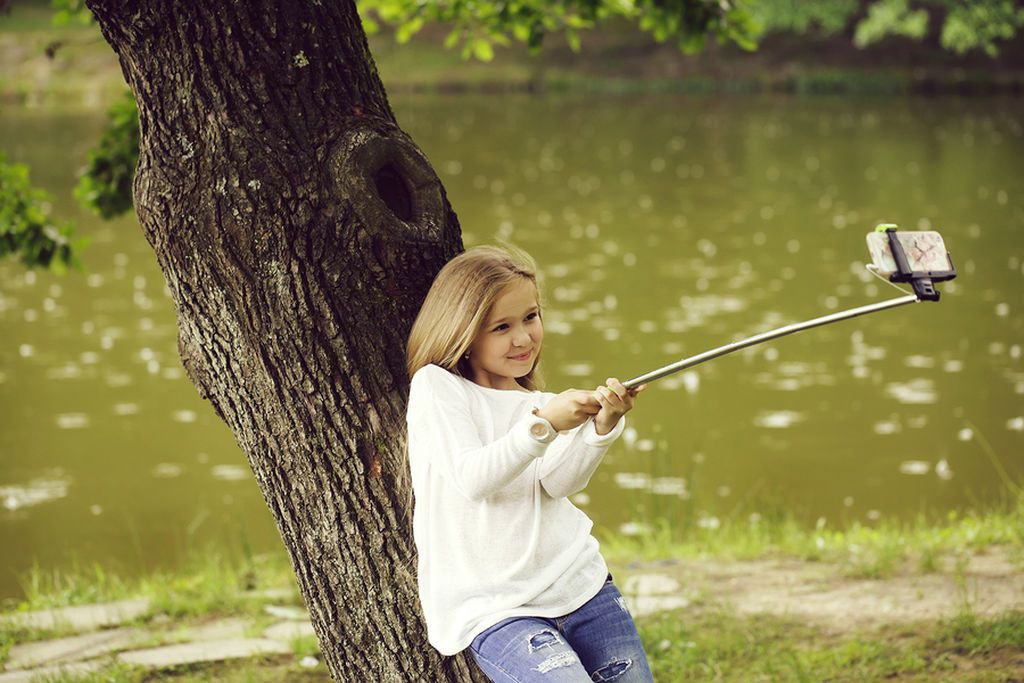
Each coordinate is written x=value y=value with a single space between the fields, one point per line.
x=568 y=471
x=443 y=432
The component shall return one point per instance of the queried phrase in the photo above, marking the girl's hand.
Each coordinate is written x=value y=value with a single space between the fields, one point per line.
x=616 y=400
x=569 y=409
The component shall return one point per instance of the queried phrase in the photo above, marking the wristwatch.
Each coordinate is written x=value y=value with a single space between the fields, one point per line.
x=541 y=429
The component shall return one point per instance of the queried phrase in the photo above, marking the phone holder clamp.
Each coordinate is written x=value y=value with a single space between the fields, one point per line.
x=922 y=282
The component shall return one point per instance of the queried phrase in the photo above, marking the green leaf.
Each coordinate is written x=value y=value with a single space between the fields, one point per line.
x=521 y=32
x=452 y=38
x=408 y=30
x=105 y=184
x=370 y=26
x=482 y=50
x=25 y=229
x=499 y=39
x=573 y=39
x=980 y=25
x=68 y=12
x=890 y=17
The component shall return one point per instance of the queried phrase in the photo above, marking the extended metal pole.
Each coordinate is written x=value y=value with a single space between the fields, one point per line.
x=766 y=336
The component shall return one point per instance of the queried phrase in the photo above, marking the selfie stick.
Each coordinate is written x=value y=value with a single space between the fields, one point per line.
x=923 y=291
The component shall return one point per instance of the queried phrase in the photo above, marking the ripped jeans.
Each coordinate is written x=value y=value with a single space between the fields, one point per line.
x=597 y=642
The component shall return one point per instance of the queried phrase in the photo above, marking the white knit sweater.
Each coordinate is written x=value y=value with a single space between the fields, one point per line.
x=496 y=534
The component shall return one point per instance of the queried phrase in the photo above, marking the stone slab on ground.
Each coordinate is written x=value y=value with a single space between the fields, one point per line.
x=643 y=605
x=286 y=612
x=649 y=593
x=274 y=593
x=231 y=628
x=82 y=617
x=649 y=584
x=26 y=675
x=287 y=631
x=75 y=648
x=194 y=653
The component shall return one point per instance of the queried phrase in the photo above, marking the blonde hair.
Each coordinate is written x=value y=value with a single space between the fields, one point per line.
x=458 y=305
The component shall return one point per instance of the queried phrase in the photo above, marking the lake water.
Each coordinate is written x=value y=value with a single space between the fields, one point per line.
x=663 y=226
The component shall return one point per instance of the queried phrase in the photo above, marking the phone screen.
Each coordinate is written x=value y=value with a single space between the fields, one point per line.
x=925 y=250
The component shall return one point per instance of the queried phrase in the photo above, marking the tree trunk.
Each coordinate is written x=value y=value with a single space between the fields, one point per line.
x=298 y=229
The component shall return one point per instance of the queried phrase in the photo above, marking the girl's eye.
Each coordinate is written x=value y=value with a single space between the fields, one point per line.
x=502 y=326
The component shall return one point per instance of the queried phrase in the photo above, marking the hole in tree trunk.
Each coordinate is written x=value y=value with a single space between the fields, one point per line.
x=392 y=190
x=389 y=183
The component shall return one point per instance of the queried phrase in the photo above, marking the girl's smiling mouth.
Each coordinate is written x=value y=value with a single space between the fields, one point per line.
x=525 y=356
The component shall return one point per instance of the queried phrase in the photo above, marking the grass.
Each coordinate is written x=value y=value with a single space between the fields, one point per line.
x=213 y=583
x=968 y=635
x=78 y=585
x=115 y=673
x=707 y=642
x=720 y=646
x=926 y=544
x=210 y=584
x=305 y=646
x=256 y=670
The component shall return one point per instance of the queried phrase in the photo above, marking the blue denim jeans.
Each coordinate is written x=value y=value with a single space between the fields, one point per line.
x=597 y=642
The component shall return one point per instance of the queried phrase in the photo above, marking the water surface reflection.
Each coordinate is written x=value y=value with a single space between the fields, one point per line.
x=664 y=226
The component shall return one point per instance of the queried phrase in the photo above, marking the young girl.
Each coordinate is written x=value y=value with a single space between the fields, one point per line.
x=507 y=565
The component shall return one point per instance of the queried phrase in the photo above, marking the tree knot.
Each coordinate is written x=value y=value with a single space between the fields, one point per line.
x=387 y=181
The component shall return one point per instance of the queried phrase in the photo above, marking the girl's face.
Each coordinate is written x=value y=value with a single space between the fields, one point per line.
x=508 y=344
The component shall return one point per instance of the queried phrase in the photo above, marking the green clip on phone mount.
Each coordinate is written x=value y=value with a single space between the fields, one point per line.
x=921 y=281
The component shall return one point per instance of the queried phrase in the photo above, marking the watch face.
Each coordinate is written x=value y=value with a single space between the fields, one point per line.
x=539 y=431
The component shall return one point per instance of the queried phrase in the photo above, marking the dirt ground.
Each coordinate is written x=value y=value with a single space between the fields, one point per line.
x=988 y=584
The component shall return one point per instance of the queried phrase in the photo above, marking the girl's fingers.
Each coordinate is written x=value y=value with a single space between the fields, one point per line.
x=636 y=390
x=613 y=399
x=615 y=385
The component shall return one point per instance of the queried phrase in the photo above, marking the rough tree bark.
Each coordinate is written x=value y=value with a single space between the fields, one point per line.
x=298 y=229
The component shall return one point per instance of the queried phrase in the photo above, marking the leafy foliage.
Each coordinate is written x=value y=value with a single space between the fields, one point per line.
x=980 y=25
x=966 y=26
x=796 y=16
x=105 y=185
x=891 y=17
x=71 y=12
x=25 y=228
x=481 y=25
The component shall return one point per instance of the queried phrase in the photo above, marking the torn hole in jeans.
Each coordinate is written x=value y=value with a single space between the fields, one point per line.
x=543 y=639
x=611 y=670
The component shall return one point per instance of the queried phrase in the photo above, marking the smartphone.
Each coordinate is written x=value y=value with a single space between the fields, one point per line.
x=925 y=250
